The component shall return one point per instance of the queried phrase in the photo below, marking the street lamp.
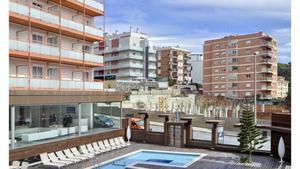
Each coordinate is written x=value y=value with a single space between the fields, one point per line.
x=255 y=98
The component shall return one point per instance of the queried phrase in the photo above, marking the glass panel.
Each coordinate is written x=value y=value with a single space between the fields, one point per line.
x=39 y=124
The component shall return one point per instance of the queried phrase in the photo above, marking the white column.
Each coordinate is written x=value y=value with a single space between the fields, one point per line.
x=91 y=109
x=79 y=119
x=121 y=115
x=12 y=127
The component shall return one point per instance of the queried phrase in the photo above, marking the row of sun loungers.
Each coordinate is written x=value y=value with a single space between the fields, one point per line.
x=18 y=165
x=72 y=155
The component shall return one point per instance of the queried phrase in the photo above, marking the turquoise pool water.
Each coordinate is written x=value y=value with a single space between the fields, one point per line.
x=176 y=159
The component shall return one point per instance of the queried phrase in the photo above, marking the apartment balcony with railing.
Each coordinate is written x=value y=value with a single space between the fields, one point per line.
x=269 y=79
x=266 y=61
x=152 y=67
x=46 y=52
x=42 y=19
x=266 y=88
x=123 y=65
x=129 y=73
x=267 y=70
x=25 y=83
x=123 y=57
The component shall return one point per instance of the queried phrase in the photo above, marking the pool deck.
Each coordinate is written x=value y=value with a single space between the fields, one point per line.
x=213 y=159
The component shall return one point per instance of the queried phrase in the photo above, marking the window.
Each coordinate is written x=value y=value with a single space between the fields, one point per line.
x=247 y=93
x=248 y=68
x=52 y=41
x=37 y=38
x=233 y=51
x=234 y=85
x=234 y=59
x=86 y=76
x=52 y=73
x=248 y=59
x=248 y=85
x=37 y=72
x=233 y=43
x=37 y=5
x=234 y=68
x=248 y=51
x=248 y=41
x=216 y=70
x=248 y=76
x=216 y=86
x=86 y=48
x=223 y=86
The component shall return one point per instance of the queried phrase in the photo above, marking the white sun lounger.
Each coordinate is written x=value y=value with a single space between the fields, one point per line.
x=24 y=165
x=46 y=161
x=102 y=146
x=84 y=150
x=91 y=149
x=69 y=154
x=77 y=153
x=97 y=148
x=112 y=143
x=107 y=145
x=53 y=158
x=122 y=141
x=118 y=143
x=62 y=156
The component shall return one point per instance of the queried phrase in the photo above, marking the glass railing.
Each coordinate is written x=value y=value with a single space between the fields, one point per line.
x=19 y=82
x=92 y=3
x=152 y=75
x=152 y=59
x=53 y=51
x=42 y=83
x=50 y=18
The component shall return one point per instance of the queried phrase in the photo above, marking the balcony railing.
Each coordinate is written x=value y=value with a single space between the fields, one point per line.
x=268 y=61
x=51 y=18
x=153 y=75
x=21 y=82
x=152 y=67
x=152 y=59
x=122 y=57
x=268 y=70
x=266 y=78
x=266 y=88
x=92 y=3
x=129 y=73
x=124 y=65
x=49 y=50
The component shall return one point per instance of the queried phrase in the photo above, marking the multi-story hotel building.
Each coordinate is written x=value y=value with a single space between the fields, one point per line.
x=196 y=62
x=53 y=95
x=282 y=87
x=229 y=66
x=128 y=56
x=173 y=62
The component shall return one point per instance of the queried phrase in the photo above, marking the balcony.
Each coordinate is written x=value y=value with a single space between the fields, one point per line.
x=123 y=57
x=124 y=65
x=266 y=87
x=129 y=73
x=266 y=97
x=23 y=83
x=152 y=75
x=266 y=70
x=41 y=19
x=152 y=67
x=50 y=53
x=266 y=61
x=91 y=7
x=153 y=59
x=266 y=79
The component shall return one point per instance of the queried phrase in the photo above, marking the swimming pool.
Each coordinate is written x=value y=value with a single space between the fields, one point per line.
x=154 y=157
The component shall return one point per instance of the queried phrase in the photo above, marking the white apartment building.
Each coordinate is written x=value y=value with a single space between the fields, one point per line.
x=53 y=98
x=282 y=87
x=128 y=56
x=196 y=62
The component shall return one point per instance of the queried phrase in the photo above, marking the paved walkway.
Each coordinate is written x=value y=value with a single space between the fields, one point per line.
x=213 y=160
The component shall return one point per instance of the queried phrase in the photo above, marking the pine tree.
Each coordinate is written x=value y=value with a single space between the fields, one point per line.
x=249 y=137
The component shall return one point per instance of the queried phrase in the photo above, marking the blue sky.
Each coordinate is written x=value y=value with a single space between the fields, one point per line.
x=188 y=23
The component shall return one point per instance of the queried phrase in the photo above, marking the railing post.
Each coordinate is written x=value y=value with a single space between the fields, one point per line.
x=166 y=127
x=214 y=130
x=189 y=131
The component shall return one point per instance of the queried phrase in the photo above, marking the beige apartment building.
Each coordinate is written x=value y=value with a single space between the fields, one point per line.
x=282 y=87
x=229 y=66
x=53 y=95
x=173 y=62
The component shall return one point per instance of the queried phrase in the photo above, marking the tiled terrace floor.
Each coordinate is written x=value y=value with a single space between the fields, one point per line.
x=213 y=160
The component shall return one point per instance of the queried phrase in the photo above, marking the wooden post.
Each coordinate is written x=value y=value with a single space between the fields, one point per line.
x=214 y=130
x=189 y=131
x=166 y=127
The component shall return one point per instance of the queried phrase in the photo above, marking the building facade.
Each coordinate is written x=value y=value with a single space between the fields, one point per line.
x=53 y=94
x=128 y=56
x=196 y=62
x=173 y=62
x=229 y=66
x=282 y=87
